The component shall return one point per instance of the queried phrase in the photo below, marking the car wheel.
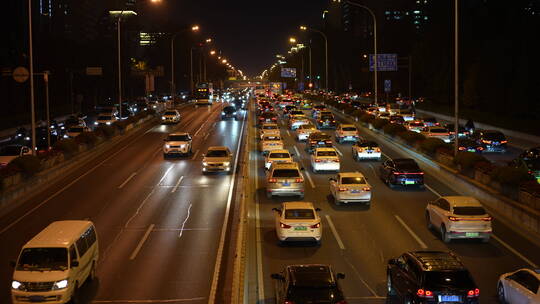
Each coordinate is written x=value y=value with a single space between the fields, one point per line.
x=315 y=170
x=500 y=293
x=428 y=221
x=354 y=155
x=92 y=274
x=165 y=155
x=75 y=295
x=486 y=239
x=389 y=286
x=445 y=236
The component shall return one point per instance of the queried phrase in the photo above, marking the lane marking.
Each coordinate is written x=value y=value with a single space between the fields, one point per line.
x=150 y=301
x=309 y=179
x=184 y=223
x=375 y=295
x=414 y=235
x=141 y=242
x=334 y=231
x=297 y=151
x=288 y=133
x=140 y=207
x=127 y=180
x=206 y=136
x=432 y=190
x=533 y=265
x=338 y=151
x=177 y=184
x=195 y=155
x=258 y=241
x=219 y=256
x=164 y=175
x=373 y=169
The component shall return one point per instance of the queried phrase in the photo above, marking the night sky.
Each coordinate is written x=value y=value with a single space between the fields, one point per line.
x=250 y=33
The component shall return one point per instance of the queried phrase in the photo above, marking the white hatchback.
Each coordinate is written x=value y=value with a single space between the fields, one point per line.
x=350 y=187
x=298 y=221
x=303 y=131
x=346 y=132
x=520 y=286
x=269 y=129
x=277 y=156
x=325 y=159
x=459 y=217
x=270 y=143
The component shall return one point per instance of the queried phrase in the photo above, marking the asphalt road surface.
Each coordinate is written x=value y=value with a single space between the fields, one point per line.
x=358 y=240
x=158 y=221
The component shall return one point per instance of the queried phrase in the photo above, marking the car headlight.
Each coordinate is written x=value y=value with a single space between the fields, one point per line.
x=223 y=113
x=60 y=284
x=205 y=164
x=96 y=123
x=66 y=136
x=17 y=285
x=167 y=146
x=226 y=164
x=108 y=123
x=163 y=117
x=27 y=138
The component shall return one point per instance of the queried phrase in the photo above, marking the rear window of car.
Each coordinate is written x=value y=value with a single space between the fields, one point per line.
x=448 y=279
x=75 y=130
x=326 y=153
x=353 y=180
x=299 y=214
x=279 y=155
x=408 y=166
x=217 y=153
x=270 y=127
x=104 y=117
x=328 y=117
x=349 y=129
x=430 y=119
x=272 y=138
x=170 y=113
x=494 y=136
x=416 y=124
x=178 y=138
x=306 y=127
x=469 y=210
x=297 y=113
x=369 y=144
x=286 y=173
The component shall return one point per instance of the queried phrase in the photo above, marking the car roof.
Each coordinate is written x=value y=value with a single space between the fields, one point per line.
x=437 y=260
x=298 y=205
x=178 y=134
x=462 y=201
x=325 y=149
x=59 y=233
x=285 y=165
x=351 y=174
x=218 y=148
x=399 y=161
x=311 y=275
x=279 y=151
x=348 y=126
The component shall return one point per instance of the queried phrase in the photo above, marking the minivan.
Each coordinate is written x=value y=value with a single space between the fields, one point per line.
x=53 y=265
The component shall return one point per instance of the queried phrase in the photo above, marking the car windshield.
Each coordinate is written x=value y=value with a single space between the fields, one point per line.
x=407 y=166
x=353 y=180
x=178 y=138
x=217 y=153
x=75 y=130
x=39 y=259
x=323 y=117
x=349 y=129
x=438 y=130
x=430 y=120
x=272 y=138
x=170 y=113
x=270 y=127
x=469 y=210
x=286 y=173
x=416 y=124
x=494 y=136
x=279 y=155
x=297 y=113
x=369 y=144
x=445 y=279
x=10 y=151
x=307 y=127
x=326 y=153
x=299 y=214
x=533 y=163
x=229 y=110
x=104 y=118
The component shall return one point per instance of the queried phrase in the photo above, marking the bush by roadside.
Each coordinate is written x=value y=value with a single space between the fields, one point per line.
x=510 y=176
x=466 y=160
x=411 y=138
x=28 y=165
x=105 y=131
x=67 y=146
x=87 y=138
x=378 y=123
x=430 y=145
x=367 y=118
x=393 y=129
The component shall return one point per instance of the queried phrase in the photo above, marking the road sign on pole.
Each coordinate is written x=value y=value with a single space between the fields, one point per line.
x=387 y=85
x=20 y=74
x=385 y=62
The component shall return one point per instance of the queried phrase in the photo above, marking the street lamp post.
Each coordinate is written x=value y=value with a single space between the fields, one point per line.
x=304 y=28
x=31 y=68
x=374 y=45
x=119 y=65
x=194 y=28
x=456 y=76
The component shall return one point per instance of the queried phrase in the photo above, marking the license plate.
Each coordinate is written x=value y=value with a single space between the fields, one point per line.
x=471 y=150
x=369 y=151
x=471 y=234
x=321 y=143
x=300 y=228
x=36 y=298
x=410 y=182
x=286 y=183
x=447 y=298
x=355 y=191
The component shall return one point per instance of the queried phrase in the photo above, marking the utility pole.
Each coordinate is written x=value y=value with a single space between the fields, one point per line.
x=31 y=68
x=456 y=76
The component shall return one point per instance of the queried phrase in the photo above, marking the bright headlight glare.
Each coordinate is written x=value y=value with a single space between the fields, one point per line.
x=226 y=163
x=60 y=284
x=162 y=117
x=205 y=164
x=96 y=123
x=167 y=146
x=108 y=123
x=16 y=284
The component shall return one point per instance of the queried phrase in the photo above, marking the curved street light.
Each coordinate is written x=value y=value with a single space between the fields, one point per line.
x=305 y=28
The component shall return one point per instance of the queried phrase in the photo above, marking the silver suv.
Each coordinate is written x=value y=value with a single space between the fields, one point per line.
x=285 y=179
x=177 y=144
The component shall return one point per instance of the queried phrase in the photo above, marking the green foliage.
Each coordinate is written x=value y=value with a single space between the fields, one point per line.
x=378 y=123
x=29 y=165
x=88 y=138
x=367 y=118
x=105 y=131
x=510 y=176
x=393 y=129
x=430 y=145
x=68 y=146
x=467 y=160
x=411 y=137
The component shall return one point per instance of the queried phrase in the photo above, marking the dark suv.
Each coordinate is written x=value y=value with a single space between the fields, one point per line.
x=228 y=112
x=492 y=140
x=303 y=284
x=326 y=121
x=318 y=139
x=429 y=277
x=401 y=171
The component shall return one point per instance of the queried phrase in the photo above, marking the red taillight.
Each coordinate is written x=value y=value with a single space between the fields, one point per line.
x=315 y=226
x=487 y=219
x=342 y=302
x=336 y=160
x=429 y=294
x=377 y=150
x=366 y=189
x=285 y=226
x=421 y=293
x=461 y=148
x=261 y=118
x=299 y=180
x=272 y=180
x=288 y=302
x=504 y=141
x=473 y=293
x=480 y=148
x=273 y=118
x=341 y=189
x=454 y=219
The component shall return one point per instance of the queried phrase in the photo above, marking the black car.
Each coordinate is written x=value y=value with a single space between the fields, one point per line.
x=429 y=277
x=469 y=145
x=396 y=119
x=326 y=121
x=401 y=171
x=493 y=141
x=267 y=117
x=229 y=112
x=304 y=284
x=529 y=161
x=462 y=132
x=430 y=122
x=318 y=139
x=288 y=109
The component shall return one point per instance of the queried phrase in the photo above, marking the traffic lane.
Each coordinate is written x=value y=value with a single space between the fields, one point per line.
x=179 y=225
x=86 y=198
x=477 y=257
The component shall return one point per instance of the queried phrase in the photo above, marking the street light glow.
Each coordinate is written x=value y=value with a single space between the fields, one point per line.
x=292 y=40
x=208 y=40
x=212 y=52
x=195 y=28
x=303 y=27
x=224 y=60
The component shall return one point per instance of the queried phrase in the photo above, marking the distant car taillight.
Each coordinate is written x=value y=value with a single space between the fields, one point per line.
x=315 y=226
x=299 y=180
x=473 y=293
x=272 y=180
x=284 y=226
x=342 y=189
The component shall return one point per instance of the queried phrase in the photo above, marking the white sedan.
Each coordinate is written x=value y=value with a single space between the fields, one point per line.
x=277 y=156
x=303 y=131
x=520 y=286
x=325 y=159
x=346 y=132
x=269 y=129
x=298 y=221
x=349 y=187
x=270 y=143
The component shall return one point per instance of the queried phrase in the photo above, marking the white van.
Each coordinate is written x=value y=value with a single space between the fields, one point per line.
x=55 y=263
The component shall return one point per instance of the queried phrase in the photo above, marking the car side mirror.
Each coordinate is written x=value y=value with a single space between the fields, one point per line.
x=74 y=263
x=277 y=276
x=317 y=209
x=12 y=263
x=340 y=276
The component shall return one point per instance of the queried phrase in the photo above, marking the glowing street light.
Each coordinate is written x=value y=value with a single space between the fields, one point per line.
x=212 y=52
x=224 y=60
x=208 y=40
x=292 y=40
x=195 y=28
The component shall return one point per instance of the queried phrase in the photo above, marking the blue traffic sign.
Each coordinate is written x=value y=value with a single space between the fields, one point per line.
x=385 y=62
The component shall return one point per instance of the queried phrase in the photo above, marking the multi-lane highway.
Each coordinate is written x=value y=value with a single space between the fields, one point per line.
x=358 y=240
x=159 y=222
